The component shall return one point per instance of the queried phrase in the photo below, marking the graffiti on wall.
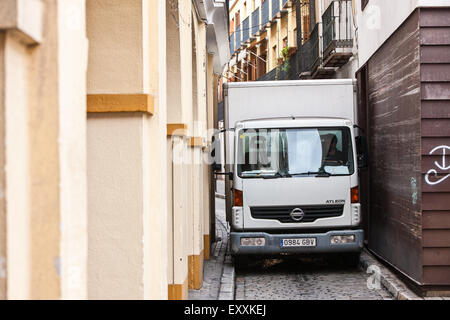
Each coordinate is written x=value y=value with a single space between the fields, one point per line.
x=441 y=165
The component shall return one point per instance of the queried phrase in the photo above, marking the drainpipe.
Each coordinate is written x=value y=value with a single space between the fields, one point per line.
x=298 y=18
x=320 y=29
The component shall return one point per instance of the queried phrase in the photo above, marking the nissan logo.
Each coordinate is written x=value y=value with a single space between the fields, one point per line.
x=297 y=214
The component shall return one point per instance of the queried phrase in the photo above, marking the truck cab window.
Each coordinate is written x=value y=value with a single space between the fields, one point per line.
x=292 y=152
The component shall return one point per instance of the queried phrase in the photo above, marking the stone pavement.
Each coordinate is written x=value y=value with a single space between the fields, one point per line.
x=304 y=279
x=218 y=281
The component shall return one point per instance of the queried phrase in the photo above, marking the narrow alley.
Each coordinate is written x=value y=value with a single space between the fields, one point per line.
x=224 y=150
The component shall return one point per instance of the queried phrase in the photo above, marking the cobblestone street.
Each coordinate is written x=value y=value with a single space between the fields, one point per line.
x=294 y=279
x=214 y=268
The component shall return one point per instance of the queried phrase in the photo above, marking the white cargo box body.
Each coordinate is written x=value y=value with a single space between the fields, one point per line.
x=278 y=99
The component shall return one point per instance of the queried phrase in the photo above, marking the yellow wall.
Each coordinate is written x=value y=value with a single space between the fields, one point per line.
x=73 y=54
x=93 y=206
x=155 y=133
x=3 y=228
x=119 y=21
x=127 y=197
x=188 y=184
x=43 y=72
x=17 y=172
x=115 y=181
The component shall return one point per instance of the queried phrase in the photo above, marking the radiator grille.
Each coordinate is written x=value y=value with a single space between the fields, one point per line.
x=283 y=213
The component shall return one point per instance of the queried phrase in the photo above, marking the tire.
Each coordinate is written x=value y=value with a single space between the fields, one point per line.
x=350 y=259
x=241 y=262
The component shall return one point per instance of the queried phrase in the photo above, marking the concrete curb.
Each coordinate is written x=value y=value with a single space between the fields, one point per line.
x=388 y=280
x=228 y=279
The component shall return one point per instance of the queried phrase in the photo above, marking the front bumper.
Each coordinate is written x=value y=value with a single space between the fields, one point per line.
x=272 y=245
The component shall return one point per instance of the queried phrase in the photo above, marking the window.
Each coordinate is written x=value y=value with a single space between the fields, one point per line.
x=274 y=55
x=295 y=152
x=364 y=4
x=295 y=37
x=305 y=21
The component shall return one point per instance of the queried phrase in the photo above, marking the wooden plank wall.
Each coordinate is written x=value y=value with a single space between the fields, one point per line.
x=394 y=139
x=435 y=128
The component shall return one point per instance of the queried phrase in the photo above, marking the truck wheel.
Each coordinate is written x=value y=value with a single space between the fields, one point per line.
x=351 y=259
x=241 y=262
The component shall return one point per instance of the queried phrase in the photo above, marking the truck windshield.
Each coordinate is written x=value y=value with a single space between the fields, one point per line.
x=278 y=153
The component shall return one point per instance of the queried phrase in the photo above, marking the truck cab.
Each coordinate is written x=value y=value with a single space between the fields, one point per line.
x=295 y=187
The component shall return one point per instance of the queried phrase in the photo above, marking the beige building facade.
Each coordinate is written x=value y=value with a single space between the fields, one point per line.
x=263 y=34
x=104 y=107
x=292 y=39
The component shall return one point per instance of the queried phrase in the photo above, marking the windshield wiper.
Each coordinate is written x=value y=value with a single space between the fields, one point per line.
x=319 y=174
x=277 y=175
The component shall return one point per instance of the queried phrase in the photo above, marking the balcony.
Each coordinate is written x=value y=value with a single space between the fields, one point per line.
x=337 y=34
x=330 y=43
x=310 y=53
x=288 y=70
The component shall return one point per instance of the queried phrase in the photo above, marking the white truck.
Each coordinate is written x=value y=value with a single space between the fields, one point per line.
x=291 y=171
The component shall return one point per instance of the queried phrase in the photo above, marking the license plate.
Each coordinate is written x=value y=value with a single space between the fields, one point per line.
x=299 y=242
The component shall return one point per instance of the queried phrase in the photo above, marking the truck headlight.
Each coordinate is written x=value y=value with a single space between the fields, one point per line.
x=342 y=239
x=253 y=242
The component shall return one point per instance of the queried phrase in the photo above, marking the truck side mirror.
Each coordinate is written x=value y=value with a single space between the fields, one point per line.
x=216 y=166
x=362 y=152
x=216 y=157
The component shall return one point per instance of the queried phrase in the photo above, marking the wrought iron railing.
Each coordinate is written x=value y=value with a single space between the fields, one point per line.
x=337 y=26
x=275 y=7
x=246 y=29
x=265 y=12
x=310 y=51
x=255 y=21
x=287 y=71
